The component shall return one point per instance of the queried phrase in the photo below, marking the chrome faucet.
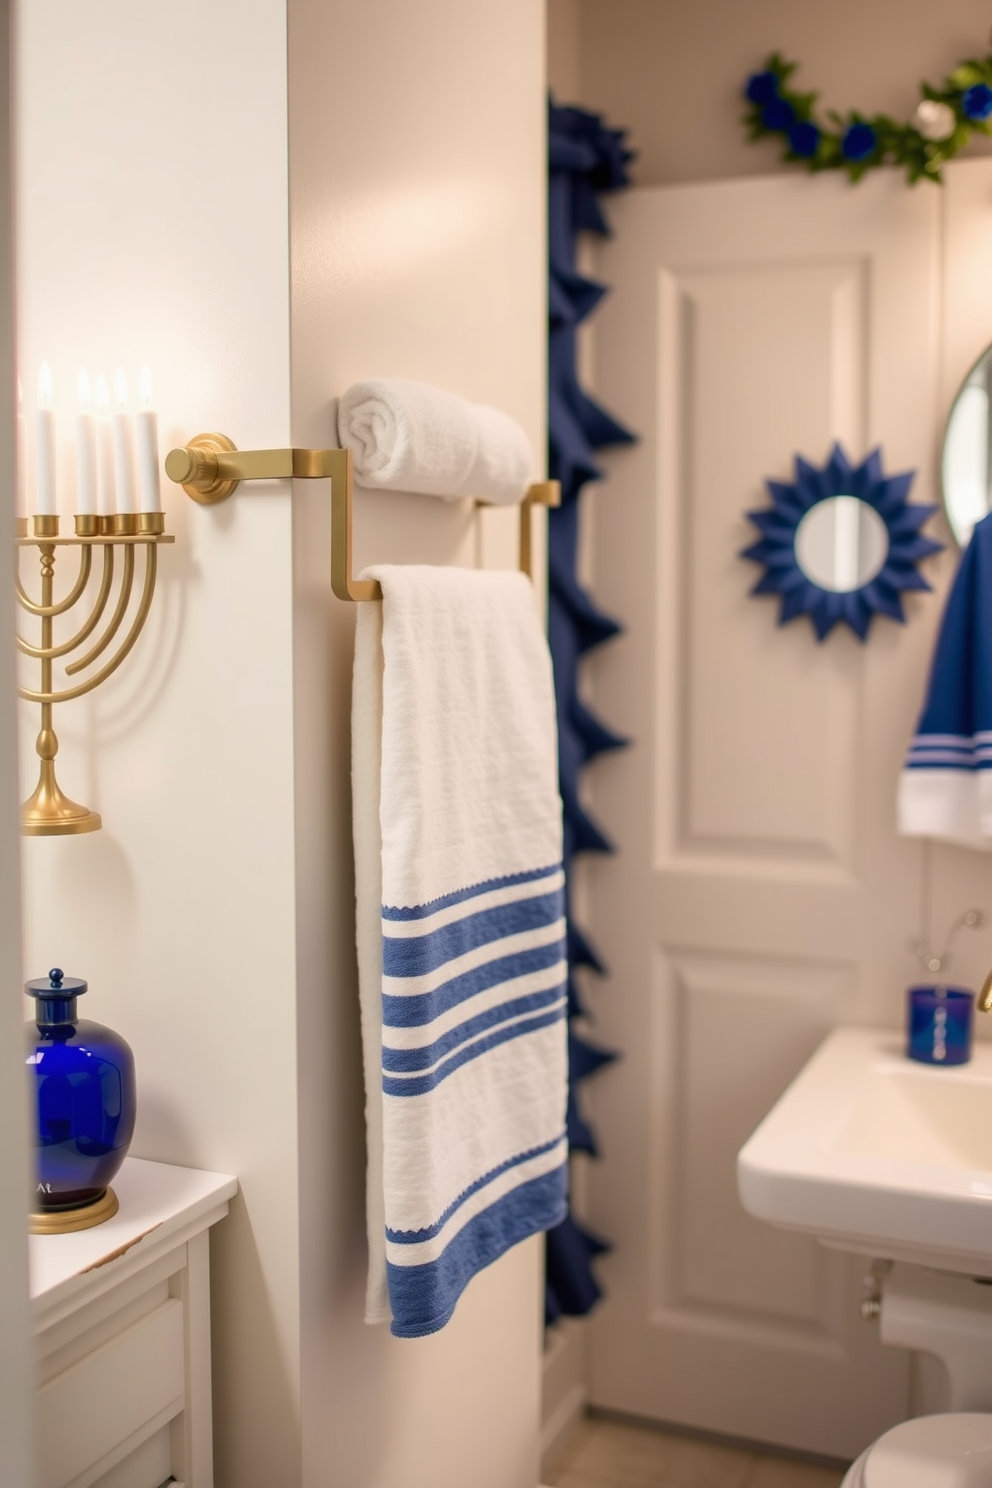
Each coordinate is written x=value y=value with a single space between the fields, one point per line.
x=972 y=919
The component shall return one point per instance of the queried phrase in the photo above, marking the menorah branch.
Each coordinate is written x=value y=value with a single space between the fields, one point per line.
x=85 y=630
x=85 y=562
x=120 y=609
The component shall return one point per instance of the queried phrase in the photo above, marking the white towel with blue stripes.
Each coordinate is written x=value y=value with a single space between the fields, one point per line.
x=945 y=790
x=461 y=933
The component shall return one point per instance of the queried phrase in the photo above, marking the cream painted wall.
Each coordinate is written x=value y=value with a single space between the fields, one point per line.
x=16 y=1446
x=417 y=231
x=262 y=237
x=152 y=220
x=672 y=72
x=564 y=50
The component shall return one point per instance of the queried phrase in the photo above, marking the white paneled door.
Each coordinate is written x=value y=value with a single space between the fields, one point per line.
x=760 y=894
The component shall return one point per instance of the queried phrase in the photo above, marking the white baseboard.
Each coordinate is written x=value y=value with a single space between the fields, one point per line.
x=564 y=1390
x=562 y=1422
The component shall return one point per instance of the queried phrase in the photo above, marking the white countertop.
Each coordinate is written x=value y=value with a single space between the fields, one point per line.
x=160 y=1207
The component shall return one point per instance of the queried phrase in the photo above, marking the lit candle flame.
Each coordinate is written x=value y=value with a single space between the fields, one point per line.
x=83 y=389
x=120 y=388
x=102 y=394
x=145 y=387
x=45 y=385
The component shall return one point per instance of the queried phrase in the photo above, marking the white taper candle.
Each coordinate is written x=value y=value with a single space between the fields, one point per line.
x=104 y=451
x=123 y=447
x=44 y=485
x=86 y=485
x=21 y=455
x=146 y=442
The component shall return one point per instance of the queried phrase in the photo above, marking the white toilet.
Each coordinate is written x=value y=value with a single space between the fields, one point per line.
x=945 y=1451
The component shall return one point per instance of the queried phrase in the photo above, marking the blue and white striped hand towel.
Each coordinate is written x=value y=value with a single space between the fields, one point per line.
x=461 y=933
x=945 y=789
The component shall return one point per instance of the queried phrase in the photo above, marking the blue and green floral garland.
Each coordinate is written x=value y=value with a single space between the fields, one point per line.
x=944 y=122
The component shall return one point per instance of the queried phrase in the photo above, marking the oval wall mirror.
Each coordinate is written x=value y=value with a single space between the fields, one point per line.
x=965 y=465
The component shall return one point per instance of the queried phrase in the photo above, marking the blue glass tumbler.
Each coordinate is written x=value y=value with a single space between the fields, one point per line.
x=939 y=1020
x=84 y=1081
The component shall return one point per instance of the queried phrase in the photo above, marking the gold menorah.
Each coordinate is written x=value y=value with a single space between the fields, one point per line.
x=49 y=812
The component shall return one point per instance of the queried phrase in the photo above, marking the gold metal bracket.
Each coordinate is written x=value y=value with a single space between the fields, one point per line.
x=209 y=469
x=195 y=469
x=541 y=493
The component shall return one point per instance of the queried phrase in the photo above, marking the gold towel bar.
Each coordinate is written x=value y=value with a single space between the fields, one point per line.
x=210 y=467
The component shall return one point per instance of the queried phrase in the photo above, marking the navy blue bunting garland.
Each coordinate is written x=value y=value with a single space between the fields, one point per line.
x=585 y=158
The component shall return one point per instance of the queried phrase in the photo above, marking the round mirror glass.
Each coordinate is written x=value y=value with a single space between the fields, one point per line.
x=841 y=544
x=965 y=464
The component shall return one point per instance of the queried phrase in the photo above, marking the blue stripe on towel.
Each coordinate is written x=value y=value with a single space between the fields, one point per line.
x=950 y=752
x=420 y=1085
x=415 y=1237
x=423 y=1297
x=408 y=1061
x=515 y=1002
x=421 y=1008
x=423 y=911
x=419 y=955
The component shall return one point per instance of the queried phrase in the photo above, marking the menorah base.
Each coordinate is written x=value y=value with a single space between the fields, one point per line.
x=50 y=813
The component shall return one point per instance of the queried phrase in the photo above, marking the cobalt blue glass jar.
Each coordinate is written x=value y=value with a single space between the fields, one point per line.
x=84 y=1081
x=939 y=1024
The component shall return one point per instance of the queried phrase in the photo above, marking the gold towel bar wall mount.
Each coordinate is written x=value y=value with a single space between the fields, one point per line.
x=210 y=467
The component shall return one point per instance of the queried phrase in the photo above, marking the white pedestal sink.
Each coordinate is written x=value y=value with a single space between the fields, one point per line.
x=872 y=1152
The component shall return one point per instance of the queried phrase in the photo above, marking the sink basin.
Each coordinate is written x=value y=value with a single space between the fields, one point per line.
x=872 y=1152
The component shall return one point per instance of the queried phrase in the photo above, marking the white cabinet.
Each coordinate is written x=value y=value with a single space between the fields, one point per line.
x=121 y=1318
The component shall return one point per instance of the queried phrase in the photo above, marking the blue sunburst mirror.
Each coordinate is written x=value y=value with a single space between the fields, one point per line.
x=841 y=544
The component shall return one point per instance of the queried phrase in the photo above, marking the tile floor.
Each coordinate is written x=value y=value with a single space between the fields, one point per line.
x=611 y=1454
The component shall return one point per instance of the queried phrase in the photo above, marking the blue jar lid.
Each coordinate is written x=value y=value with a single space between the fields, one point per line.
x=56 y=984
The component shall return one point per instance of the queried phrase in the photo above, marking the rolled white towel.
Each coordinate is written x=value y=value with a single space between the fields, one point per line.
x=409 y=436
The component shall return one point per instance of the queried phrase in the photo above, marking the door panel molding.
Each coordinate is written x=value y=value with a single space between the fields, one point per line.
x=731 y=787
